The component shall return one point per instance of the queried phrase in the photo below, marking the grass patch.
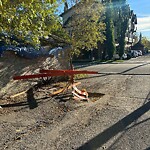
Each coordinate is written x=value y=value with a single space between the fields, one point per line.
x=80 y=76
x=119 y=60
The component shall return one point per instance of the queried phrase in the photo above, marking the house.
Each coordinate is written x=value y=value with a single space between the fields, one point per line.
x=139 y=45
x=131 y=30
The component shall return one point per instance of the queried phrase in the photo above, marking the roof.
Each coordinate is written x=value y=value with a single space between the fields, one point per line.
x=67 y=11
x=138 y=44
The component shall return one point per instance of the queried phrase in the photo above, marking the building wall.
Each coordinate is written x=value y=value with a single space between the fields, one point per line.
x=67 y=14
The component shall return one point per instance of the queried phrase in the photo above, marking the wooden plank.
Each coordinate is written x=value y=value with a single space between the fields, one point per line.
x=74 y=84
x=65 y=88
x=18 y=94
x=57 y=92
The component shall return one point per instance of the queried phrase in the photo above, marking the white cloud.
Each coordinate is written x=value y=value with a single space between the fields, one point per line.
x=144 y=19
x=143 y=24
x=140 y=15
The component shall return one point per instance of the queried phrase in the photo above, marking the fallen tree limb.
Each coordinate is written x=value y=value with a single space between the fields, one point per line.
x=18 y=94
x=69 y=86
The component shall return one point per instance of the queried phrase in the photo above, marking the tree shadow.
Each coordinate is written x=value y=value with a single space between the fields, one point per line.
x=81 y=65
x=147 y=148
x=147 y=98
x=64 y=97
x=14 y=104
x=109 y=74
x=134 y=68
x=118 y=127
x=31 y=101
x=134 y=125
x=102 y=74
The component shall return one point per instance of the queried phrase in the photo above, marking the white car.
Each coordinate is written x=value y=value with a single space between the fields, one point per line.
x=124 y=56
x=140 y=53
x=134 y=53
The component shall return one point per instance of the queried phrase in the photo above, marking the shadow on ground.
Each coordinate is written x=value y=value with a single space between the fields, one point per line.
x=33 y=103
x=118 y=127
x=125 y=72
x=30 y=102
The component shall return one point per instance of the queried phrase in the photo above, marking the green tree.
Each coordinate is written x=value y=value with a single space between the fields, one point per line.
x=146 y=43
x=86 y=26
x=122 y=11
x=110 y=40
x=29 y=20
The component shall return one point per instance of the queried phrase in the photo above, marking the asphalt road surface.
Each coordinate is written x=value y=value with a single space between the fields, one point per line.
x=129 y=117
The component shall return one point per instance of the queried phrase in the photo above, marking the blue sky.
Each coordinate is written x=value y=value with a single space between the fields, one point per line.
x=142 y=9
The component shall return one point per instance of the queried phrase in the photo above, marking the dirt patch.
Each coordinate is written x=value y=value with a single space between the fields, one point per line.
x=27 y=118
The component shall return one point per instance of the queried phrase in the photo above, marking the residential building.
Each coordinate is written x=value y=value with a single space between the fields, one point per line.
x=131 y=36
x=139 y=45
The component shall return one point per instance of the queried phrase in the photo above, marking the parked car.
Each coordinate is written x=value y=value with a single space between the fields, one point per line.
x=134 y=53
x=124 y=56
x=116 y=57
x=139 y=52
x=129 y=55
x=55 y=51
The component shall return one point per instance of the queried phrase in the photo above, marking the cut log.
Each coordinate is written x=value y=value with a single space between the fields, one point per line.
x=65 y=88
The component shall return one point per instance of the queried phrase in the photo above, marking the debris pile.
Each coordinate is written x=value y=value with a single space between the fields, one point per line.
x=12 y=64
